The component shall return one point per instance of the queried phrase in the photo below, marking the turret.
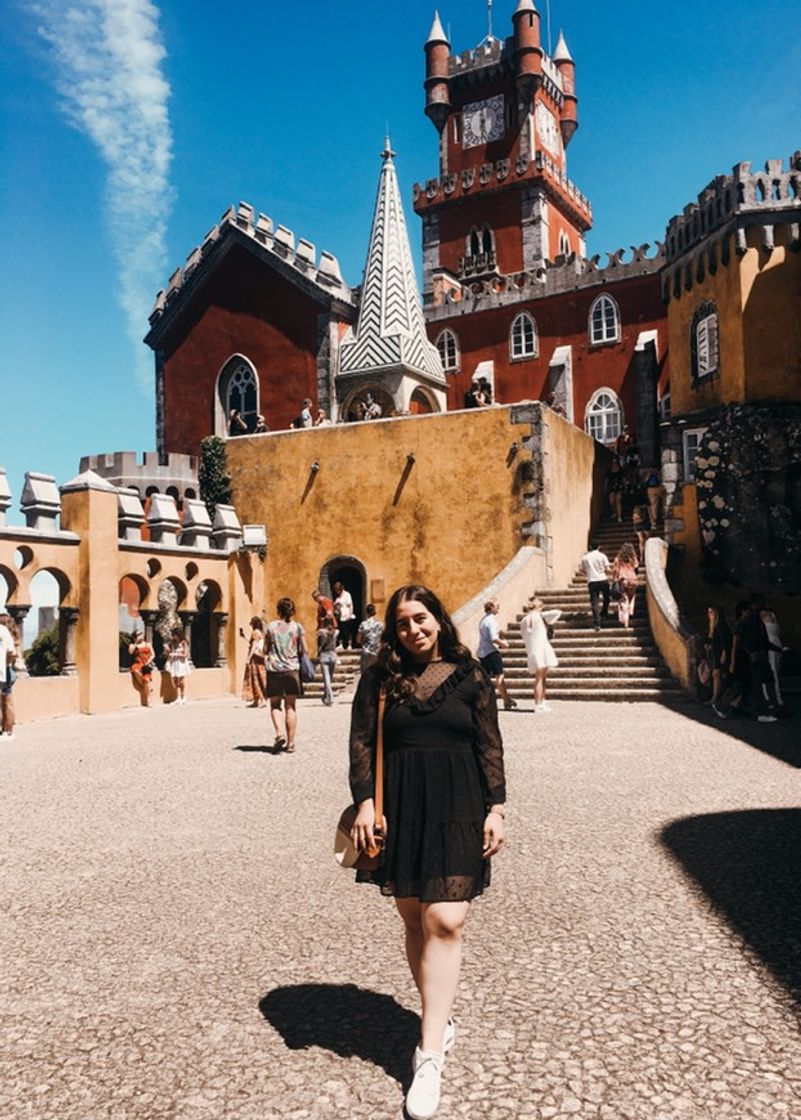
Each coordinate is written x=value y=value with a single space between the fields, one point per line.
x=438 y=98
x=567 y=68
x=528 y=51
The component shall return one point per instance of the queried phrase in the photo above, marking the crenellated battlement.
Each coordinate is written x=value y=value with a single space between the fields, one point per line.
x=178 y=474
x=774 y=193
x=566 y=274
x=323 y=273
x=490 y=176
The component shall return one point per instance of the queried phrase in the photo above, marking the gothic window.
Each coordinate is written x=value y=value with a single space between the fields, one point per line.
x=486 y=240
x=523 y=340
x=239 y=390
x=564 y=244
x=604 y=321
x=603 y=419
x=704 y=345
x=474 y=243
x=448 y=346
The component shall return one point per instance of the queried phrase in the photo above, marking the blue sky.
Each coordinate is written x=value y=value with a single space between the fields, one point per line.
x=130 y=125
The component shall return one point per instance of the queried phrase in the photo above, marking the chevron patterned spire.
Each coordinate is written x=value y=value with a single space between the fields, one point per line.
x=390 y=330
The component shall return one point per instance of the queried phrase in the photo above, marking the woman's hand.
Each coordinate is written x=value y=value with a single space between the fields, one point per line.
x=494 y=834
x=363 y=832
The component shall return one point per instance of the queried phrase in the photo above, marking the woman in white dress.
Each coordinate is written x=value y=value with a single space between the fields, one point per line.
x=178 y=663
x=539 y=651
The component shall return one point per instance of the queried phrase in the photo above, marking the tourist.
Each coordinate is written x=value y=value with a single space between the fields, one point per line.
x=236 y=425
x=614 y=485
x=304 y=419
x=750 y=636
x=480 y=394
x=470 y=396
x=142 y=667
x=738 y=682
x=624 y=570
x=444 y=795
x=653 y=488
x=718 y=646
x=775 y=650
x=540 y=654
x=372 y=409
x=283 y=647
x=9 y=650
x=325 y=606
x=555 y=405
x=261 y=425
x=640 y=522
x=622 y=443
x=327 y=636
x=178 y=663
x=369 y=638
x=490 y=644
x=344 y=615
x=595 y=565
x=254 y=681
x=321 y=420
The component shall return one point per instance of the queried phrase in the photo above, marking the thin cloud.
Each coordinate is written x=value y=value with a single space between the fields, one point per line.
x=108 y=58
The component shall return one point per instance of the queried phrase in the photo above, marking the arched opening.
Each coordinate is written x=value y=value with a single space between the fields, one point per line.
x=603 y=419
x=355 y=406
x=8 y=585
x=237 y=388
x=42 y=640
x=203 y=638
x=132 y=590
x=352 y=574
x=420 y=403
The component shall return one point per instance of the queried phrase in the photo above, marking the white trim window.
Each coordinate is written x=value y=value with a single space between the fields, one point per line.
x=604 y=321
x=523 y=339
x=603 y=418
x=706 y=340
x=448 y=346
x=691 y=441
x=564 y=244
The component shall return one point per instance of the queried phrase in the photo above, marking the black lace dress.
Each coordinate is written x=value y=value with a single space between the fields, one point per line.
x=443 y=765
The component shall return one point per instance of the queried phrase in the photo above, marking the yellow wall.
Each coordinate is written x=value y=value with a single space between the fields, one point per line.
x=724 y=288
x=771 y=299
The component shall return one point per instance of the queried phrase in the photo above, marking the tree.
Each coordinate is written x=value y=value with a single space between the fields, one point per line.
x=215 y=483
x=42 y=660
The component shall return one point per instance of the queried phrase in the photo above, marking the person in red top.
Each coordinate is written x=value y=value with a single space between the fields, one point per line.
x=325 y=607
x=142 y=667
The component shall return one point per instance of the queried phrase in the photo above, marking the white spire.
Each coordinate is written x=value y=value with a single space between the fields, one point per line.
x=390 y=331
x=562 y=54
x=524 y=6
x=437 y=32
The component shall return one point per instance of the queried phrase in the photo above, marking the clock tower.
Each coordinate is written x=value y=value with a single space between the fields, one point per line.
x=504 y=113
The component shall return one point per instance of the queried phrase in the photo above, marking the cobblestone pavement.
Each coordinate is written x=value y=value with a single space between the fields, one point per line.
x=177 y=942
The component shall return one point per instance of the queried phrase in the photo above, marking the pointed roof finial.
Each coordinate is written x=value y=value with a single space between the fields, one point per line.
x=562 y=54
x=437 y=32
x=387 y=155
x=525 y=6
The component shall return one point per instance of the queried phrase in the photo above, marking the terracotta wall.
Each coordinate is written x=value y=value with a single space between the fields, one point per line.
x=501 y=212
x=771 y=301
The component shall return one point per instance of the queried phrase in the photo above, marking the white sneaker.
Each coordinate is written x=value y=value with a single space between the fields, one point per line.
x=422 y=1100
x=766 y=719
x=448 y=1040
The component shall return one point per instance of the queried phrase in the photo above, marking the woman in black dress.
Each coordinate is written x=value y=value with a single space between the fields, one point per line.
x=444 y=797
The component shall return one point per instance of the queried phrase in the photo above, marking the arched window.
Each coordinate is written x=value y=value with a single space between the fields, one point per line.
x=474 y=243
x=486 y=240
x=704 y=344
x=448 y=346
x=604 y=321
x=523 y=340
x=238 y=389
x=564 y=244
x=603 y=419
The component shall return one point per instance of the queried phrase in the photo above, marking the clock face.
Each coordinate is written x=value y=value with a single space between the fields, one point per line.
x=548 y=130
x=483 y=121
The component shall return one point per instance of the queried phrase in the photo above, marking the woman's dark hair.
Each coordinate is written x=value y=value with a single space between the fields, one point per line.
x=256 y=623
x=369 y=610
x=394 y=663
x=178 y=633
x=720 y=624
x=285 y=608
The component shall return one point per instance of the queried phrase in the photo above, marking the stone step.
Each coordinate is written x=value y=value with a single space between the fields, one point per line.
x=596 y=689
x=583 y=657
x=607 y=694
x=567 y=671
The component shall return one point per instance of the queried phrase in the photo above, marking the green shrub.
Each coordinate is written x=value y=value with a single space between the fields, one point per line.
x=41 y=660
x=215 y=483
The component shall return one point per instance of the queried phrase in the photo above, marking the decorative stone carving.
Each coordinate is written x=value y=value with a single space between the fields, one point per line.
x=40 y=502
x=226 y=531
x=130 y=514
x=162 y=519
x=196 y=524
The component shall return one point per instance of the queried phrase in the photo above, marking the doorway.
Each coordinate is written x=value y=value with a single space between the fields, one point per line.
x=351 y=573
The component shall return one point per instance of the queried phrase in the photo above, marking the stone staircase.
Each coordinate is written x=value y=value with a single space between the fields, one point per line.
x=611 y=664
x=345 y=676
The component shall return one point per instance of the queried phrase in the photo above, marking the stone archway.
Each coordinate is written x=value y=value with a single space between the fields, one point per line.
x=352 y=574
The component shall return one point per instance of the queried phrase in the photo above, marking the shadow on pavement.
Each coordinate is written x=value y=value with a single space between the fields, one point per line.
x=747 y=864
x=781 y=740
x=260 y=749
x=349 y=1021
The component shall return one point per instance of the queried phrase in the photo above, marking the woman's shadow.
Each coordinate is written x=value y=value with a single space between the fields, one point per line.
x=347 y=1020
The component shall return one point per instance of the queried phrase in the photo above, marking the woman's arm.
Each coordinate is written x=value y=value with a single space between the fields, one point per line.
x=487 y=739
x=363 y=726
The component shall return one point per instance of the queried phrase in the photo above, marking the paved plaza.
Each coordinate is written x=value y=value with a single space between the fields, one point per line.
x=177 y=942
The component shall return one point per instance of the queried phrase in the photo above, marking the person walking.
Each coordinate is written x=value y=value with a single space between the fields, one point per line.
x=490 y=644
x=344 y=614
x=750 y=636
x=9 y=651
x=444 y=794
x=653 y=488
x=595 y=565
x=775 y=648
x=718 y=645
x=369 y=638
x=325 y=606
x=254 y=681
x=178 y=663
x=540 y=655
x=283 y=646
x=624 y=570
x=142 y=667
x=640 y=522
x=615 y=484
x=327 y=637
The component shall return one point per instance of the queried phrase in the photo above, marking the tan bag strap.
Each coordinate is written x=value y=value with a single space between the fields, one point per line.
x=379 y=759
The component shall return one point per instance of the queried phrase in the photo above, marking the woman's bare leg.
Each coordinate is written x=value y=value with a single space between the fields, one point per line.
x=539 y=687
x=291 y=720
x=440 y=962
x=275 y=715
x=409 y=910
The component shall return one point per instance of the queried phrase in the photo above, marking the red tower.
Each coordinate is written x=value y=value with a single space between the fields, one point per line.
x=505 y=113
